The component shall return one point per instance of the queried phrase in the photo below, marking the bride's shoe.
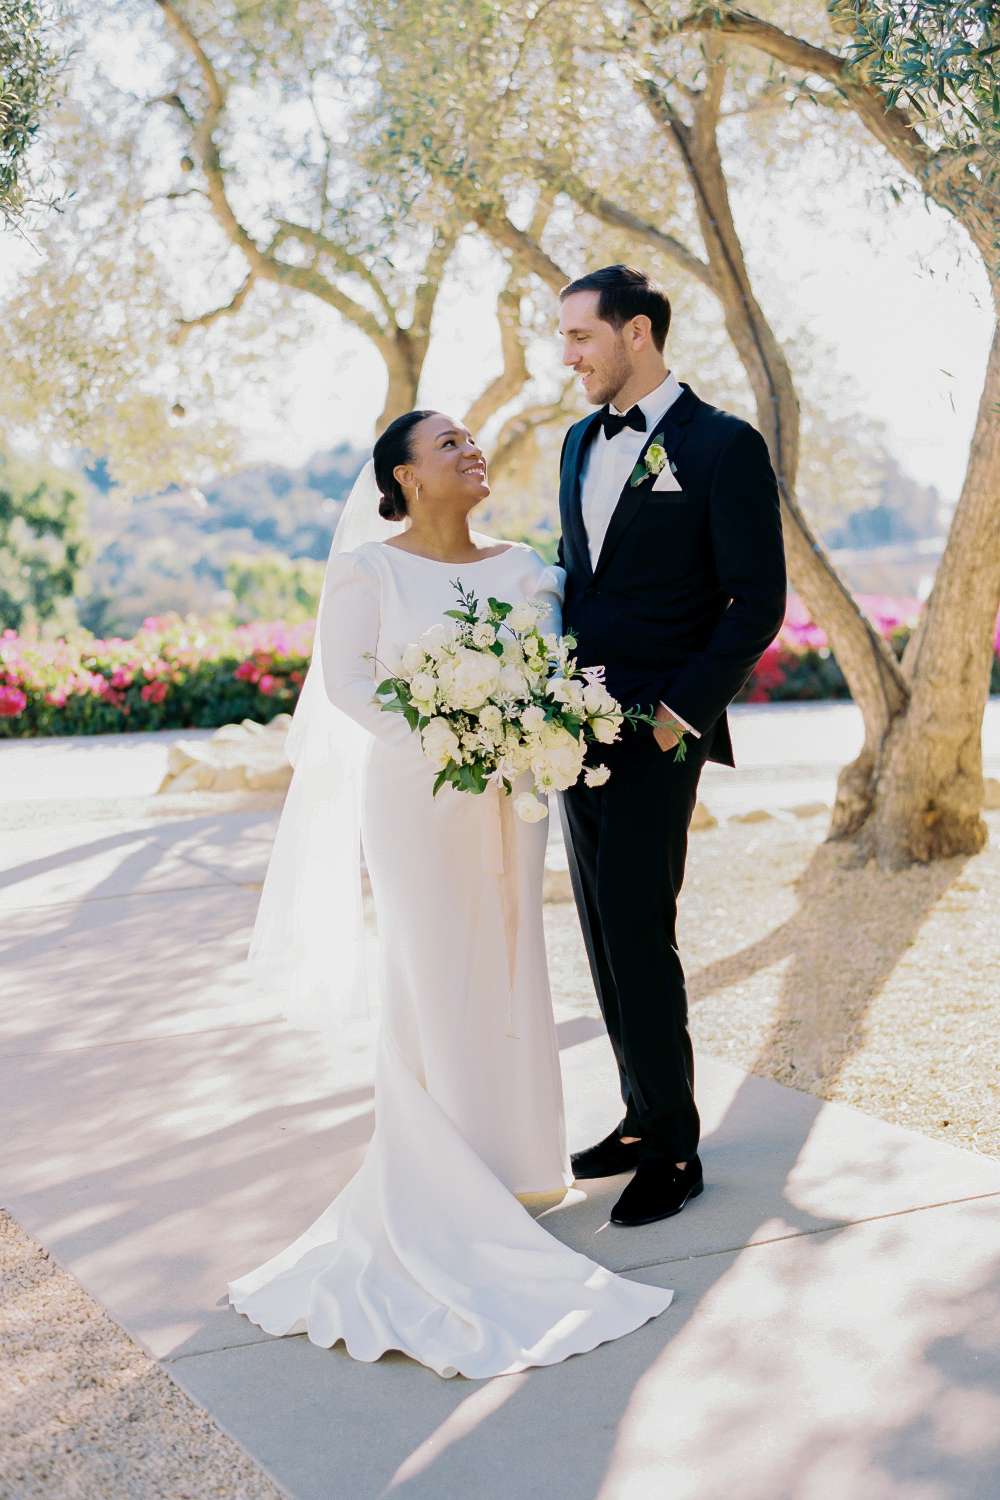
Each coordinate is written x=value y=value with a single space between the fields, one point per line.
x=607 y=1159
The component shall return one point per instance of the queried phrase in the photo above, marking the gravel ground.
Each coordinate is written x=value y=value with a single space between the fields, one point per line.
x=84 y=1413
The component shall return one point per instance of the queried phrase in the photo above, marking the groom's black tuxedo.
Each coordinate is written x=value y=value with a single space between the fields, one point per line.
x=687 y=593
x=689 y=588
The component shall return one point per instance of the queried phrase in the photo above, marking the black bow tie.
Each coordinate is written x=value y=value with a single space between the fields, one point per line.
x=613 y=423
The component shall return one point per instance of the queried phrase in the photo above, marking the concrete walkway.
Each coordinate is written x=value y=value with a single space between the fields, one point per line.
x=834 y=1331
x=787 y=753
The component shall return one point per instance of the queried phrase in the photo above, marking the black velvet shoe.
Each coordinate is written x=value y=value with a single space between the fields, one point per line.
x=607 y=1159
x=658 y=1191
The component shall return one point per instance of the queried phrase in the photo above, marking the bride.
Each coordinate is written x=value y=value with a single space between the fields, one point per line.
x=427 y=1249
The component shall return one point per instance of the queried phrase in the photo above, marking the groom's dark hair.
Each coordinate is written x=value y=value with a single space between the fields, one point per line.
x=624 y=293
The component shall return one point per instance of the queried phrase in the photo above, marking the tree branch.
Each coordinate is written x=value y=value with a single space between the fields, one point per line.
x=603 y=208
x=202 y=320
x=522 y=424
x=344 y=260
x=264 y=264
x=175 y=197
x=514 y=373
x=430 y=281
x=504 y=232
x=893 y=127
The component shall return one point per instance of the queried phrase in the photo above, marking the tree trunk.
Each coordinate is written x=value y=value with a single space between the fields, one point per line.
x=514 y=374
x=403 y=363
x=866 y=660
x=925 y=790
x=915 y=791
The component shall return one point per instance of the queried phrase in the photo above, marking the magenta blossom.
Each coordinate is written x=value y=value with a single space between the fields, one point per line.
x=12 y=702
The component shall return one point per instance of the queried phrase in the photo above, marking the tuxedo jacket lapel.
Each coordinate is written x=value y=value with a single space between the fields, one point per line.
x=672 y=427
x=574 y=531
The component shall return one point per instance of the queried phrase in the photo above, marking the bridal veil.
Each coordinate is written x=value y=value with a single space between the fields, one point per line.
x=308 y=944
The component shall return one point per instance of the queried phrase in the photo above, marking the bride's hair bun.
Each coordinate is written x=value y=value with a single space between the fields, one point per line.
x=393 y=448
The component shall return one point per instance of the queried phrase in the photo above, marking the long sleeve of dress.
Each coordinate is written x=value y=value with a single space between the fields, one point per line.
x=549 y=590
x=348 y=626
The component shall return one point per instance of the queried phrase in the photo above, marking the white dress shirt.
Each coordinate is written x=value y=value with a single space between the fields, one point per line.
x=607 y=466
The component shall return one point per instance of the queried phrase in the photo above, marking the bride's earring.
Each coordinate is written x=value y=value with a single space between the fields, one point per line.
x=417 y=496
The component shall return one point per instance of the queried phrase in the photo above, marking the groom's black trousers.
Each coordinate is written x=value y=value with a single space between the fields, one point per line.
x=627 y=845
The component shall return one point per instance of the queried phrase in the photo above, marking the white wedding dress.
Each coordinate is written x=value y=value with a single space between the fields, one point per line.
x=427 y=1249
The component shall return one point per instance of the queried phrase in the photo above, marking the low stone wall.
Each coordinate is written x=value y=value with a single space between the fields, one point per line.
x=239 y=757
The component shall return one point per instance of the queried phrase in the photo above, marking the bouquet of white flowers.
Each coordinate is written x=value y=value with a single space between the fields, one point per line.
x=491 y=698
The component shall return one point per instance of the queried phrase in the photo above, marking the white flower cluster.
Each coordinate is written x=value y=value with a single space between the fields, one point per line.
x=493 y=699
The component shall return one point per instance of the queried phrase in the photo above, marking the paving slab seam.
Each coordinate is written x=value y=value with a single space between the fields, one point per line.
x=176 y=1359
x=801 y=1234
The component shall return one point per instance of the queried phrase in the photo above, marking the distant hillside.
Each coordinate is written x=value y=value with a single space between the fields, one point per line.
x=170 y=552
x=906 y=511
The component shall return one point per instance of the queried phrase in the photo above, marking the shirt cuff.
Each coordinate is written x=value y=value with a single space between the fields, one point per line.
x=689 y=728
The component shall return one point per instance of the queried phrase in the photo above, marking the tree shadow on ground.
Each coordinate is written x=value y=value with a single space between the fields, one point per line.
x=851 y=927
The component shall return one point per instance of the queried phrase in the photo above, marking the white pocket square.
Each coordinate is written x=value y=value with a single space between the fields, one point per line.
x=666 y=479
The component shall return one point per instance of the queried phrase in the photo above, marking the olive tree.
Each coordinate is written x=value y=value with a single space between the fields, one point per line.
x=29 y=70
x=585 y=106
x=921 y=78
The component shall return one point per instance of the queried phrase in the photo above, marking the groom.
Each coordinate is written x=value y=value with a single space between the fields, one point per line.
x=671 y=541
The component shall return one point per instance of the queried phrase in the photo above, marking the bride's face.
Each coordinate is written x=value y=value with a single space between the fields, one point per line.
x=447 y=464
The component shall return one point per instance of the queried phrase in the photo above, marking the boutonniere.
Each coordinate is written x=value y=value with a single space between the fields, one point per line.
x=653 y=462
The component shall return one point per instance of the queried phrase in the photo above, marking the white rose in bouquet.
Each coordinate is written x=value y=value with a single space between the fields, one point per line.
x=413 y=660
x=423 y=690
x=525 y=616
x=440 y=638
x=568 y=692
x=483 y=636
x=558 y=761
x=604 y=730
x=475 y=678
x=440 y=743
x=513 y=682
x=529 y=809
x=513 y=652
x=597 y=699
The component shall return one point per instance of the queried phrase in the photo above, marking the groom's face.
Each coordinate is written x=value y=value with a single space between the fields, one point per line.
x=595 y=350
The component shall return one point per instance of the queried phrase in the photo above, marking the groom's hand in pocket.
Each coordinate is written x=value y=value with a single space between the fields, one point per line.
x=664 y=733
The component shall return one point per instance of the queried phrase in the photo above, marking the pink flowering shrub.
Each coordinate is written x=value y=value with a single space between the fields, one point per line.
x=799 y=664
x=173 y=674
x=184 y=673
